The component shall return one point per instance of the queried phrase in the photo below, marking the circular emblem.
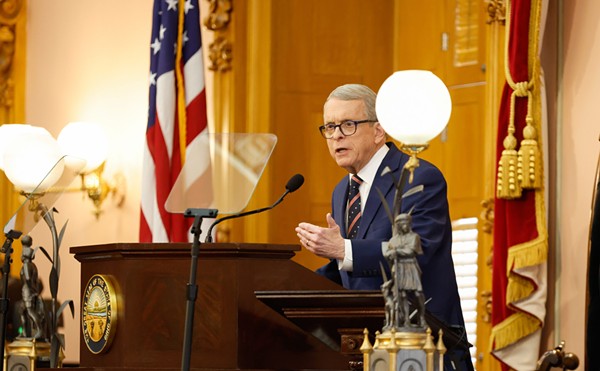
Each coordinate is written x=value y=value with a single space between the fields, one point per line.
x=99 y=313
x=18 y=367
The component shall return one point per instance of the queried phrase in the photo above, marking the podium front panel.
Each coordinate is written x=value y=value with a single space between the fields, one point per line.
x=233 y=330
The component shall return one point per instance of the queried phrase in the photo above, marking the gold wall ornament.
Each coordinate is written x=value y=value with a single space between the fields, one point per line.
x=7 y=54
x=220 y=50
x=9 y=10
x=486 y=217
x=496 y=11
x=219 y=16
x=220 y=55
x=486 y=315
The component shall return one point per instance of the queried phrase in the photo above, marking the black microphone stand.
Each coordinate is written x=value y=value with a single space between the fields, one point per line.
x=7 y=250
x=192 y=288
x=292 y=185
x=245 y=213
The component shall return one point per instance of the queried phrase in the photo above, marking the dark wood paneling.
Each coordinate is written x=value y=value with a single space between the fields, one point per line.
x=232 y=329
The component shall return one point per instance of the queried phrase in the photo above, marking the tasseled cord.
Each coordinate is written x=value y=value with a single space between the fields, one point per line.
x=508 y=185
x=522 y=169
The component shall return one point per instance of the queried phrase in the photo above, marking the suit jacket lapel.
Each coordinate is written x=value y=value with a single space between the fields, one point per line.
x=385 y=184
x=339 y=206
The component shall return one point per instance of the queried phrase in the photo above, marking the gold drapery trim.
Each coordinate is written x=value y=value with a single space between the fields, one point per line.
x=518 y=288
x=512 y=329
x=528 y=254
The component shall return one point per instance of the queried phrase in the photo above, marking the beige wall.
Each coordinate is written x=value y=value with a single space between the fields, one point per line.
x=580 y=131
x=89 y=60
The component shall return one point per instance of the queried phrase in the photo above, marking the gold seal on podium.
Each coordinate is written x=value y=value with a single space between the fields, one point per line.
x=99 y=313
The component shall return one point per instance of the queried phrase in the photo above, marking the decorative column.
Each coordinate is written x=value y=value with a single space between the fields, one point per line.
x=12 y=91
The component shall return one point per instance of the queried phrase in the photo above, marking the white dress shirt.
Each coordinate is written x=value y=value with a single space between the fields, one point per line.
x=367 y=174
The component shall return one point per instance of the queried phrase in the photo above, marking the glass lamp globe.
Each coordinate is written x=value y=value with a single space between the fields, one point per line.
x=84 y=140
x=8 y=133
x=32 y=156
x=413 y=106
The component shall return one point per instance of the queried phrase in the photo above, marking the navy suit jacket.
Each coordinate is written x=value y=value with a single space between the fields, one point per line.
x=430 y=219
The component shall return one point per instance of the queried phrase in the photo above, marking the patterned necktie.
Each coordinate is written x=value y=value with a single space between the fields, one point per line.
x=354 y=212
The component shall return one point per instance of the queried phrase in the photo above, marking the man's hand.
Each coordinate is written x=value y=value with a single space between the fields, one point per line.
x=323 y=242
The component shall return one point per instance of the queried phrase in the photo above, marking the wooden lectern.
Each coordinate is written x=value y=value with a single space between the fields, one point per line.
x=233 y=329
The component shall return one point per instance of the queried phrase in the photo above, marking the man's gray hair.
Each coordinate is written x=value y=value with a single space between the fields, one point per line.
x=357 y=92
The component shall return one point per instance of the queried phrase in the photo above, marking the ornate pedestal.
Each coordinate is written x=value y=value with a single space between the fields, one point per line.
x=25 y=354
x=403 y=351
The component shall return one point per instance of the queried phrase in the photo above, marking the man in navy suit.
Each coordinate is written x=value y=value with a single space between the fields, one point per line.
x=357 y=143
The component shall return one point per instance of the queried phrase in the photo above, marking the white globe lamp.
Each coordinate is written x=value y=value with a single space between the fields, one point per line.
x=84 y=140
x=8 y=133
x=413 y=106
x=32 y=156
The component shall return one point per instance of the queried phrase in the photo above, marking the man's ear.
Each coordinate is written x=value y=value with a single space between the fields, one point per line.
x=380 y=134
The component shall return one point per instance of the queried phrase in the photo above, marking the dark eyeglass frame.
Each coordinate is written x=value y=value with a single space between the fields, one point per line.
x=354 y=123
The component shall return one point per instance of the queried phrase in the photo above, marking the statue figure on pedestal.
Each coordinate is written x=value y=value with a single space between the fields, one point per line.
x=33 y=316
x=401 y=253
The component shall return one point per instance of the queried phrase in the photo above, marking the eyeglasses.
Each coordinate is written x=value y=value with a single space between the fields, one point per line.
x=347 y=128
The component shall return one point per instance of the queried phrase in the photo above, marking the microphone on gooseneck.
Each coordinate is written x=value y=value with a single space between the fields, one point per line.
x=292 y=185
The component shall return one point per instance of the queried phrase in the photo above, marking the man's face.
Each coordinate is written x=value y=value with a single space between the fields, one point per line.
x=352 y=152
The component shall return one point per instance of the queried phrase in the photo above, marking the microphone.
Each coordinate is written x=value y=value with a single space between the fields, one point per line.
x=292 y=185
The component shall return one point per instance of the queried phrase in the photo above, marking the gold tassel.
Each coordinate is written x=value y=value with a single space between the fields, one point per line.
x=508 y=186
x=530 y=162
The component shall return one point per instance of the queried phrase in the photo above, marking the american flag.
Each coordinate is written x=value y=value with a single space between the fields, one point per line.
x=176 y=117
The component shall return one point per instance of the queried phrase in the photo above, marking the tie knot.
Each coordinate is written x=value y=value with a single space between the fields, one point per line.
x=356 y=180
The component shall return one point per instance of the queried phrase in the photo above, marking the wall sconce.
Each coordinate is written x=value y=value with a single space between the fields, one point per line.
x=89 y=141
x=28 y=152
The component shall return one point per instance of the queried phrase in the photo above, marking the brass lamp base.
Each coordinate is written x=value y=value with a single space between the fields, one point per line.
x=413 y=162
x=403 y=351
x=401 y=340
x=27 y=354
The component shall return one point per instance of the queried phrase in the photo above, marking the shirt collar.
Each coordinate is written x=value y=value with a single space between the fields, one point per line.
x=369 y=171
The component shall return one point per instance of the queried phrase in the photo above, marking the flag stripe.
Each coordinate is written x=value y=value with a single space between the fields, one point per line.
x=164 y=152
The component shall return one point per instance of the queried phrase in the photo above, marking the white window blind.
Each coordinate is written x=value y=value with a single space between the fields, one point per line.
x=464 y=254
